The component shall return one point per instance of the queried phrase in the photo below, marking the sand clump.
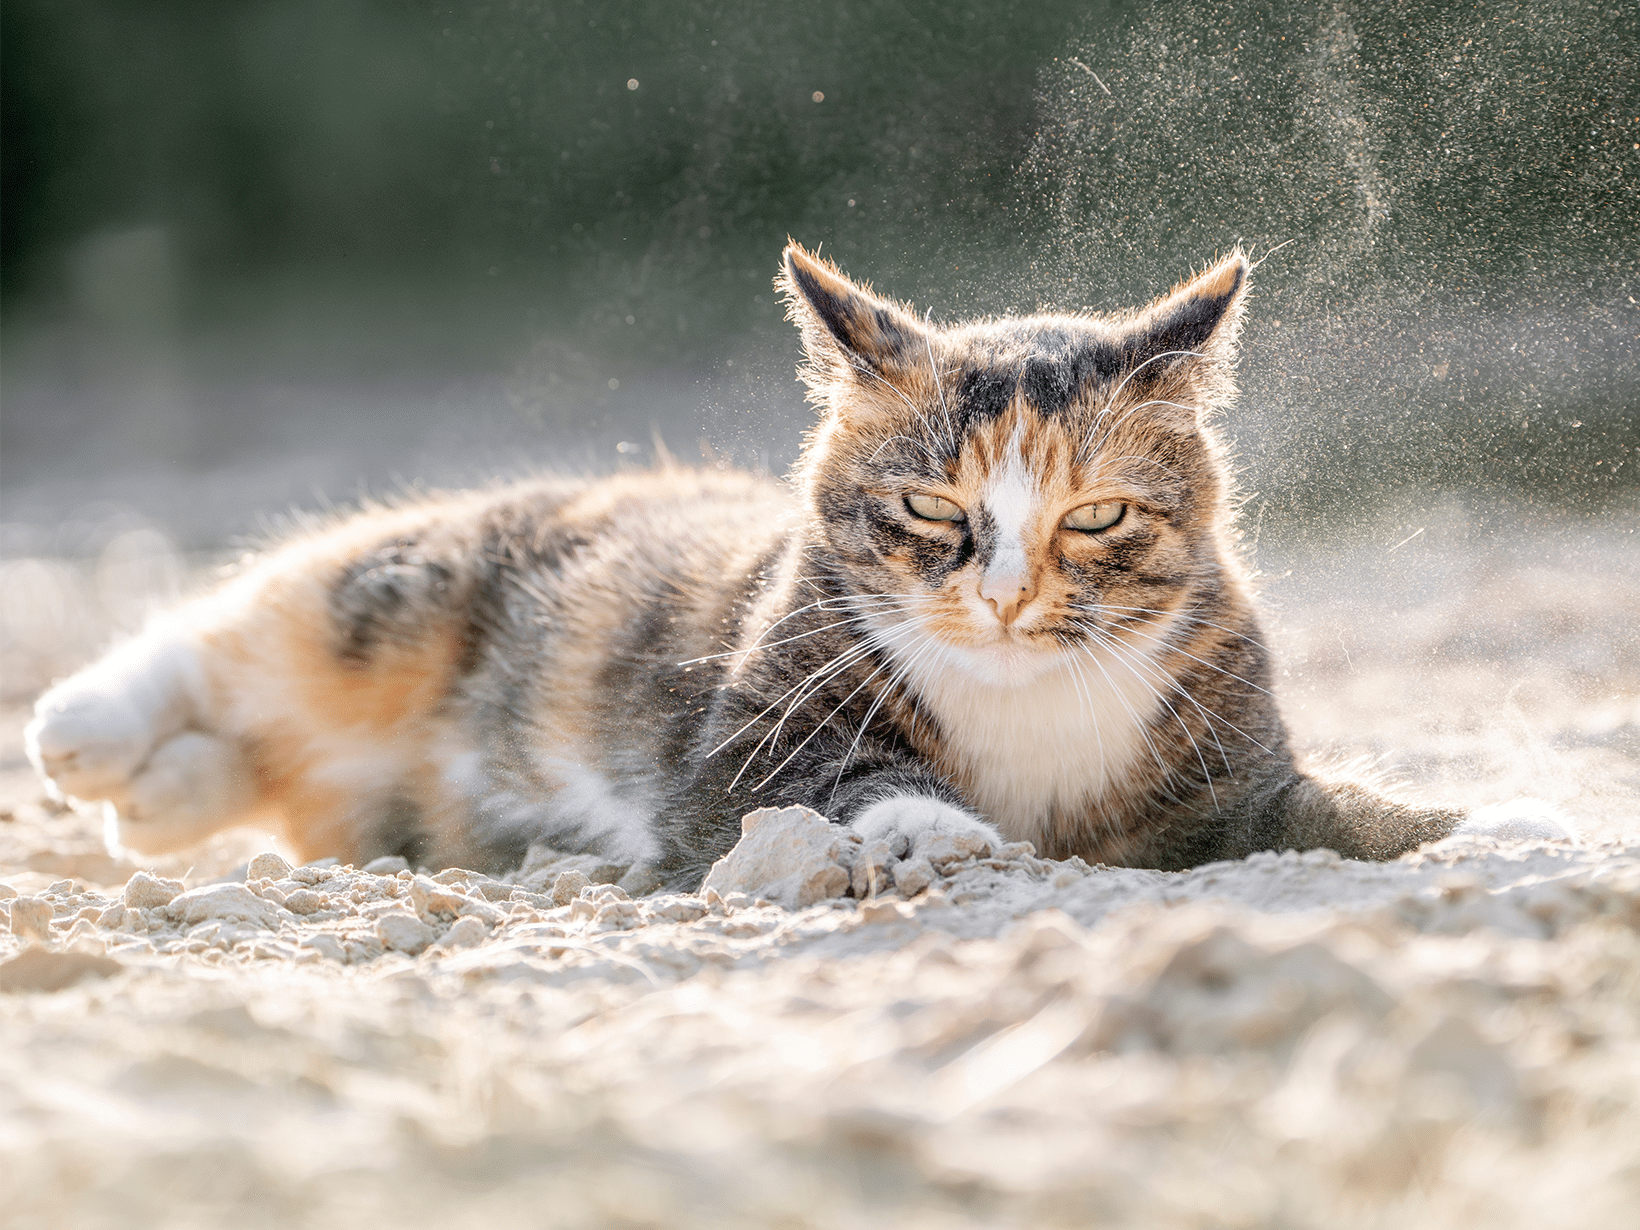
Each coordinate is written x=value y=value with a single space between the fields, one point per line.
x=791 y=856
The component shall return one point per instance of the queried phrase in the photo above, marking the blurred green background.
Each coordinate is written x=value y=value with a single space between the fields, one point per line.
x=266 y=255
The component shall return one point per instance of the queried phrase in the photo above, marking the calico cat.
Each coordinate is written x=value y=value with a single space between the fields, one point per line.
x=1000 y=594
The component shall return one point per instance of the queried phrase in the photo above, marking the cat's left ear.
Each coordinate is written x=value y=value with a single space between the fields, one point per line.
x=844 y=324
x=1198 y=319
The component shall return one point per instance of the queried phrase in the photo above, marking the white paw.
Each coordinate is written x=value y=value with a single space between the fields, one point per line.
x=191 y=786
x=94 y=731
x=906 y=817
x=1517 y=820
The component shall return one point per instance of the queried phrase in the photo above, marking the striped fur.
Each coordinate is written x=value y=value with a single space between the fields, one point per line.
x=627 y=666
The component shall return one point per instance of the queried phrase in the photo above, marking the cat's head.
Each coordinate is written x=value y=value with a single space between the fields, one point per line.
x=1016 y=485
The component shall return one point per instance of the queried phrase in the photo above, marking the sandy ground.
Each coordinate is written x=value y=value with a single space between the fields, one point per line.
x=1290 y=1041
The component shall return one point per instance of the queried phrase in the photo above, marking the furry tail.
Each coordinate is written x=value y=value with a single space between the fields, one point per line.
x=1355 y=819
x=1359 y=821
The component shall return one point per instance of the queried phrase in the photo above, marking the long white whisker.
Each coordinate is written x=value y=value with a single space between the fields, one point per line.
x=804 y=690
x=860 y=366
x=750 y=649
x=887 y=662
x=1101 y=607
x=823 y=604
x=808 y=687
x=1132 y=663
x=1139 y=723
x=842 y=657
x=1166 y=354
x=923 y=647
x=1169 y=645
x=1110 y=427
x=867 y=644
x=1148 y=461
x=1209 y=716
x=882 y=606
x=927 y=452
x=1207 y=713
x=1273 y=251
x=1092 y=710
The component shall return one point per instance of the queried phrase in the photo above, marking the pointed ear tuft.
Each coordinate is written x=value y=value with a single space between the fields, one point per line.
x=1200 y=316
x=842 y=319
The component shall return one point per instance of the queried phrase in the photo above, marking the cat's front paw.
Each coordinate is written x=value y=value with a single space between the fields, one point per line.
x=1517 y=820
x=901 y=819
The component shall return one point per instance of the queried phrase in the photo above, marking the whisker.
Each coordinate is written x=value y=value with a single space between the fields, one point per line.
x=1133 y=662
x=815 y=680
x=867 y=644
x=894 y=680
x=1273 y=251
x=1169 y=645
x=822 y=604
x=1209 y=716
x=848 y=653
x=822 y=724
x=1085 y=696
x=759 y=643
x=1166 y=354
x=1110 y=428
x=804 y=690
x=927 y=452
x=861 y=367
x=1108 y=638
x=1101 y=607
x=1139 y=723
x=1147 y=461
x=751 y=649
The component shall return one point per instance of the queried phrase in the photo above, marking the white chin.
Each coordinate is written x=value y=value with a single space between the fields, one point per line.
x=1004 y=664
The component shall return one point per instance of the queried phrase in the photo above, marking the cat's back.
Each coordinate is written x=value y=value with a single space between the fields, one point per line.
x=568 y=571
x=672 y=524
x=680 y=523
x=672 y=546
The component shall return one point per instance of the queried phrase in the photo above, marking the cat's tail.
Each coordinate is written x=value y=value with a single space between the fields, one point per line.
x=1352 y=811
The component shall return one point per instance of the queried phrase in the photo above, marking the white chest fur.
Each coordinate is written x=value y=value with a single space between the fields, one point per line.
x=1054 y=742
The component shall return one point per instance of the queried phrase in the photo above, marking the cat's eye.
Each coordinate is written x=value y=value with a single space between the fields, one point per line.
x=1095 y=516
x=934 y=508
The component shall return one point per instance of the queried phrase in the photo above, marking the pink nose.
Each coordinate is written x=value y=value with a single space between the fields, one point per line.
x=1008 y=594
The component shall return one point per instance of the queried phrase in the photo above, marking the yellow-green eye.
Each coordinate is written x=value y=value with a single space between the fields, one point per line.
x=934 y=508
x=1094 y=516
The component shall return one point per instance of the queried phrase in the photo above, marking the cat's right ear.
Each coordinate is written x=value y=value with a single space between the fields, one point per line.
x=844 y=324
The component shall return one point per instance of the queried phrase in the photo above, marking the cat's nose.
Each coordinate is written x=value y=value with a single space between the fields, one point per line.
x=1007 y=592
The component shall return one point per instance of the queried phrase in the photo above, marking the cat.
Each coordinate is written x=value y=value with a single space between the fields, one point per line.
x=1000 y=595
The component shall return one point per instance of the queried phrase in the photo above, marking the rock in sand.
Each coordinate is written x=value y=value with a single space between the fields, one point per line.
x=790 y=855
